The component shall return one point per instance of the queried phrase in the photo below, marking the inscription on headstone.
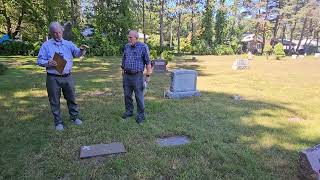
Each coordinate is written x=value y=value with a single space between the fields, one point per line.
x=183 y=84
x=309 y=163
x=159 y=65
x=240 y=64
x=101 y=149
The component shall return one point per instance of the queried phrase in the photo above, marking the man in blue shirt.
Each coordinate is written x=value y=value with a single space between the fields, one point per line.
x=135 y=59
x=60 y=81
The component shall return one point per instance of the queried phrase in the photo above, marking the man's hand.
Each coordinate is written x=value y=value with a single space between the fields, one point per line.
x=148 y=79
x=84 y=47
x=52 y=63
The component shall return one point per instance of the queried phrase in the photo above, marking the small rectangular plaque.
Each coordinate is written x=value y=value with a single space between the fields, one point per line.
x=101 y=149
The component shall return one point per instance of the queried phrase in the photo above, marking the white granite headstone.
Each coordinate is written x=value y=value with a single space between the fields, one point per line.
x=294 y=56
x=183 y=84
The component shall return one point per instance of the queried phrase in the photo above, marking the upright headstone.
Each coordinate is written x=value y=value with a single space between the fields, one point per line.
x=183 y=84
x=309 y=163
x=67 y=32
x=159 y=65
x=294 y=56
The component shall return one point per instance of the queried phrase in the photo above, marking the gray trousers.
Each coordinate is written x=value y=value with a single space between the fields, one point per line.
x=133 y=83
x=54 y=87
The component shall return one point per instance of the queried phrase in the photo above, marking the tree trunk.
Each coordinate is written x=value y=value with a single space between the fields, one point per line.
x=283 y=33
x=192 y=22
x=263 y=36
x=179 y=29
x=18 y=28
x=318 y=42
x=8 y=20
x=302 y=31
x=264 y=27
x=161 y=22
x=171 y=35
x=143 y=23
x=291 y=34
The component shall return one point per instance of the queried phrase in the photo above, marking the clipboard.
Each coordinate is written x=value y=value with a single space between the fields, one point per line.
x=61 y=63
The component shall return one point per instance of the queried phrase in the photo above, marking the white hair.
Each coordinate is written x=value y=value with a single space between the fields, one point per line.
x=134 y=33
x=53 y=26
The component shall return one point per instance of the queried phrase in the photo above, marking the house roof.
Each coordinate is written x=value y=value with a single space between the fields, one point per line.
x=251 y=37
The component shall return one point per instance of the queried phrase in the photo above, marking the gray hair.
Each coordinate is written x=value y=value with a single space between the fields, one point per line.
x=134 y=33
x=54 y=25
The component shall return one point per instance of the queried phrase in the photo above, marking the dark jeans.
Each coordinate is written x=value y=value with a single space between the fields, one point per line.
x=133 y=83
x=54 y=87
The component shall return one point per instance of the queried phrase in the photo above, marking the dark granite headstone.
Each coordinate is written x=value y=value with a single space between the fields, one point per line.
x=309 y=163
x=101 y=149
x=159 y=65
x=67 y=33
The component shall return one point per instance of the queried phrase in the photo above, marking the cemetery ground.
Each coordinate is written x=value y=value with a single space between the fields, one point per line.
x=257 y=137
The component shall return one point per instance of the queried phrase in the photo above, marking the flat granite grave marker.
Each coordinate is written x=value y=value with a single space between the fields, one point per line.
x=173 y=141
x=309 y=163
x=183 y=84
x=101 y=149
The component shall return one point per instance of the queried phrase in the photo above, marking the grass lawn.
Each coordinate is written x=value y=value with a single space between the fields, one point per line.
x=248 y=139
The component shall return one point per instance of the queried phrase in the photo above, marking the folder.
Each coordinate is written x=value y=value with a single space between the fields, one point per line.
x=61 y=63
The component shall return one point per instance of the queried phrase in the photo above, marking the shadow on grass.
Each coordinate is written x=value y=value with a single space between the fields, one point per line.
x=246 y=139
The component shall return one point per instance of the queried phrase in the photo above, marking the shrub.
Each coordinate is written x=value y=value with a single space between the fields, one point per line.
x=167 y=55
x=153 y=54
x=267 y=50
x=3 y=68
x=202 y=48
x=185 y=45
x=17 y=48
x=278 y=51
x=223 y=50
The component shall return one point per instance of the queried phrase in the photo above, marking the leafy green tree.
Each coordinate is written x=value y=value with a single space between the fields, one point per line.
x=278 y=51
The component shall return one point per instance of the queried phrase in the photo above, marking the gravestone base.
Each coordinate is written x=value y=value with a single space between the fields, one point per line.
x=180 y=95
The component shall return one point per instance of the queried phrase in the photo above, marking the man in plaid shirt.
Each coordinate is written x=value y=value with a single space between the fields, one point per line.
x=135 y=59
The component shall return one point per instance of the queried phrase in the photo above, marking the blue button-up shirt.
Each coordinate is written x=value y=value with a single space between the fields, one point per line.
x=135 y=57
x=65 y=48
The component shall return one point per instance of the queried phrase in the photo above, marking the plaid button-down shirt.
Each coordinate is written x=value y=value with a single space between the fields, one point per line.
x=135 y=57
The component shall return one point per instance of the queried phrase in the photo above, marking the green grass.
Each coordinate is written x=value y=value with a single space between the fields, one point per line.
x=248 y=139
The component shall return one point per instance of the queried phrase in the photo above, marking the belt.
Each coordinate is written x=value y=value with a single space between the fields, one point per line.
x=59 y=75
x=132 y=72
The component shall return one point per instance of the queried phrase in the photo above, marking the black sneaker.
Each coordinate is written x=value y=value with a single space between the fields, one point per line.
x=139 y=119
x=126 y=115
